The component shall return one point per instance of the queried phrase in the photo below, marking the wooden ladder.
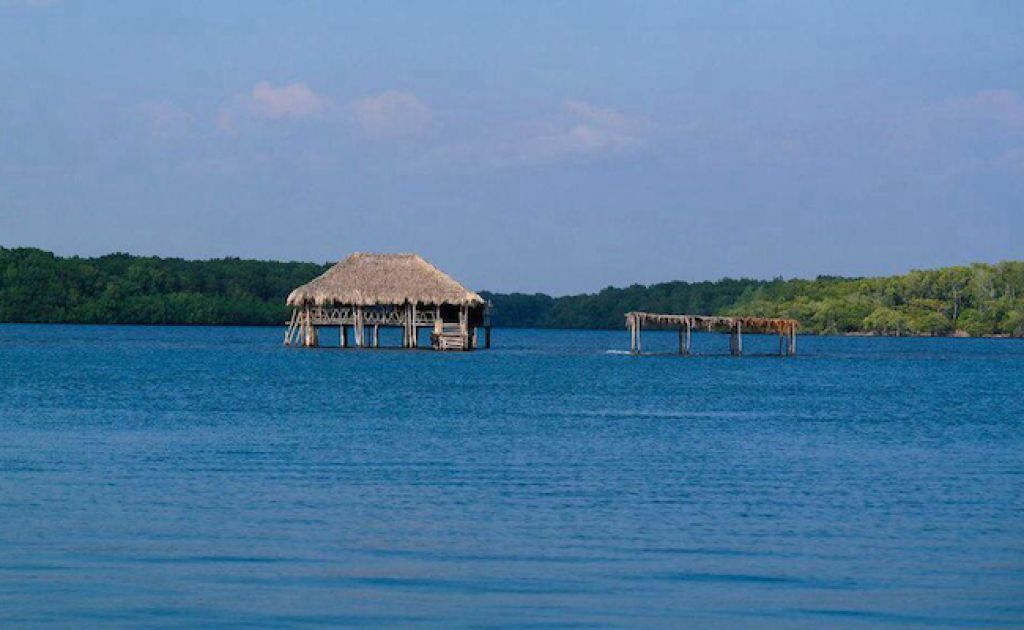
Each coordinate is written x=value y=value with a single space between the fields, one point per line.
x=451 y=338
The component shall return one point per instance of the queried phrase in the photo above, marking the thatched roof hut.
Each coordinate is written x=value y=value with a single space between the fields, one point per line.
x=384 y=279
x=367 y=291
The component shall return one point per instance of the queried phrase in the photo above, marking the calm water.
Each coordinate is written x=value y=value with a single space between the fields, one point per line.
x=186 y=476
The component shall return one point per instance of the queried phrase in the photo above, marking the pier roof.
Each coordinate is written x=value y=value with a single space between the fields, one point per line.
x=365 y=279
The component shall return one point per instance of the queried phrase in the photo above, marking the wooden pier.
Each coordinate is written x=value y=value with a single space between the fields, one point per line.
x=786 y=329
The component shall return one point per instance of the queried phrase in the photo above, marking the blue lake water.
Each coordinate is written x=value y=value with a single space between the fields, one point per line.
x=209 y=476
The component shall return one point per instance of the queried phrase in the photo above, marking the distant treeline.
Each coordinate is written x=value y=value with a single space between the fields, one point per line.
x=36 y=286
x=976 y=300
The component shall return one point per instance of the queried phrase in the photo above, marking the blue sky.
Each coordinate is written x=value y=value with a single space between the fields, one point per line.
x=533 y=146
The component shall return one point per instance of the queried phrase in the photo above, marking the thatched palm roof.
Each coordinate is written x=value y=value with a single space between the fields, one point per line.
x=379 y=279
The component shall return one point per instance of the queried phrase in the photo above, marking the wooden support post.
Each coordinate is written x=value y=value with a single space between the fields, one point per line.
x=464 y=326
x=792 y=339
x=360 y=338
x=307 y=336
x=405 y=326
x=632 y=335
x=476 y=341
x=414 y=339
x=310 y=340
x=344 y=335
x=376 y=335
x=739 y=338
x=689 y=329
x=639 y=345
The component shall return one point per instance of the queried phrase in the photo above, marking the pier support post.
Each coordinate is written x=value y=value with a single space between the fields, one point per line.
x=736 y=340
x=414 y=341
x=376 y=336
x=464 y=326
x=310 y=339
x=344 y=336
x=634 y=327
x=359 y=329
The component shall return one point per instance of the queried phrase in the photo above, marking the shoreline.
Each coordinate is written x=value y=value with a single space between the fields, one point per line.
x=956 y=335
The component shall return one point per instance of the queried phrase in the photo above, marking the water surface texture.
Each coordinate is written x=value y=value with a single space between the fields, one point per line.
x=208 y=476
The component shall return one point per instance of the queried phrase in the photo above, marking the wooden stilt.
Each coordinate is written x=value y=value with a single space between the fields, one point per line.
x=689 y=329
x=376 y=336
x=306 y=338
x=359 y=333
x=310 y=340
x=464 y=326
x=405 y=327
x=344 y=335
x=415 y=342
x=739 y=338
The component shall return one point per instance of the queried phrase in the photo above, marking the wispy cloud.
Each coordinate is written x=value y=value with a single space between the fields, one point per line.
x=588 y=130
x=579 y=131
x=266 y=101
x=294 y=100
x=392 y=114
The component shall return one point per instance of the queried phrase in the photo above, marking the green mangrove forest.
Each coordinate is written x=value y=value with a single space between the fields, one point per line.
x=975 y=300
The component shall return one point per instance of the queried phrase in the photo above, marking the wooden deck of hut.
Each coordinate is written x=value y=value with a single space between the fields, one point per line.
x=735 y=326
x=367 y=292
